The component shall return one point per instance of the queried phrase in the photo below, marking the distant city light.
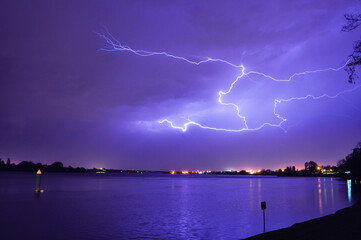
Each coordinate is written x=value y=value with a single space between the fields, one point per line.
x=191 y=172
x=251 y=171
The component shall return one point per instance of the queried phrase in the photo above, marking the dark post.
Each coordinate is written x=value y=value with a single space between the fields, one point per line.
x=263 y=207
x=37 y=187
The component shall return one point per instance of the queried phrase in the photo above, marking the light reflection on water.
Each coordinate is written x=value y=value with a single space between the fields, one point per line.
x=349 y=190
x=319 y=195
x=90 y=206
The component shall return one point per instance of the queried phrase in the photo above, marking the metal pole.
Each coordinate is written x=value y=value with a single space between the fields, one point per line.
x=263 y=207
x=264 y=221
x=38 y=176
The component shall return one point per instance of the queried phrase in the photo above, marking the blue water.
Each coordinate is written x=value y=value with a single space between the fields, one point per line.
x=152 y=206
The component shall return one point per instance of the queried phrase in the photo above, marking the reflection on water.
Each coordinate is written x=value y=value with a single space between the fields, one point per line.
x=319 y=195
x=326 y=192
x=151 y=206
x=349 y=194
x=332 y=198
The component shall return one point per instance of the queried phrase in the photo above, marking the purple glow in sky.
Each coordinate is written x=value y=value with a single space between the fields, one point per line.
x=61 y=99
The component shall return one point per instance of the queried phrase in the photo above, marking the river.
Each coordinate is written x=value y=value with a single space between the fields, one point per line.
x=161 y=206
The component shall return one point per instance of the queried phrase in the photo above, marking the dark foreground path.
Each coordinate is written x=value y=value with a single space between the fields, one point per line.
x=344 y=224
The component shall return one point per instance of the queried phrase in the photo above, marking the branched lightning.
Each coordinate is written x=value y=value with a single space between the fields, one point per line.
x=112 y=44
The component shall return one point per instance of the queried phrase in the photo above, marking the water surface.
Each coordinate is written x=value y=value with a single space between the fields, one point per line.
x=152 y=206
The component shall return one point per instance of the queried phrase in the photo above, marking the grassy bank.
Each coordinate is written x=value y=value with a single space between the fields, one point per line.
x=344 y=224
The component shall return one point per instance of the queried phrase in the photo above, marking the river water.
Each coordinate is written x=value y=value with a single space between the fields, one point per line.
x=161 y=206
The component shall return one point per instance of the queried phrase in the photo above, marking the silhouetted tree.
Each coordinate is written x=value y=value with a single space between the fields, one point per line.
x=33 y=167
x=353 y=21
x=266 y=172
x=352 y=162
x=56 y=167
x=341 y=164
x=310 y=166
x=290 y=169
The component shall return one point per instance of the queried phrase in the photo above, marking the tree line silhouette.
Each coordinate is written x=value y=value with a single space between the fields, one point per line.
x=349 y=167
x=352 y=163
x=33 y=167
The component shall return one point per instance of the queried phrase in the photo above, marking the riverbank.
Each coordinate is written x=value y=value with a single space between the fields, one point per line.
x=344 y=224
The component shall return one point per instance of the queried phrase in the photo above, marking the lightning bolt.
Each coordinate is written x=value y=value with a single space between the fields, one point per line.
x=113 y=45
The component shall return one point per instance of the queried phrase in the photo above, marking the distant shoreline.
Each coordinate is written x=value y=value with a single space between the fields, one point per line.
x=313 y=171
x=221 y=173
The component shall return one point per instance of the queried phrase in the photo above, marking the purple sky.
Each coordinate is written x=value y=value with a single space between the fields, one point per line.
x=61 y=99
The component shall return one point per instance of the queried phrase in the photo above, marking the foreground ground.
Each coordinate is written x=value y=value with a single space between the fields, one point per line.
x=344 y=224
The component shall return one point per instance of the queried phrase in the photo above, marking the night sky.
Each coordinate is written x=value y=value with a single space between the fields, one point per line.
x=64 y=99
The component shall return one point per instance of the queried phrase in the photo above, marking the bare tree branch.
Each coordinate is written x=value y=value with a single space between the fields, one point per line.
x=353 y=21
